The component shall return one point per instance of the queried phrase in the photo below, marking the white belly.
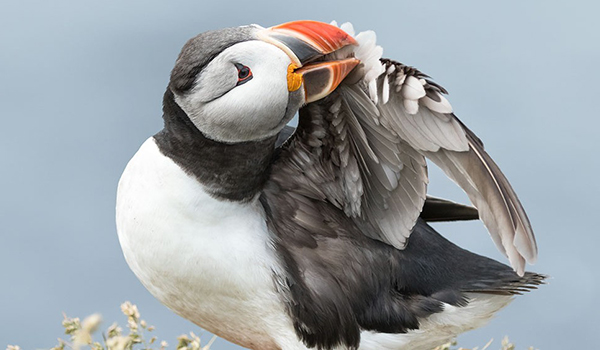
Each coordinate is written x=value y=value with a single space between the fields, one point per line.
x=208 y=260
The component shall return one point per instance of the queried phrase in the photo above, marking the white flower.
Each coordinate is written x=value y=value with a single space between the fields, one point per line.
x=130 y=310
x=117 y=343
x=91 y=323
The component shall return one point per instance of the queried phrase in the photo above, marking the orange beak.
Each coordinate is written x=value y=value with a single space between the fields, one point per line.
x=304 y=42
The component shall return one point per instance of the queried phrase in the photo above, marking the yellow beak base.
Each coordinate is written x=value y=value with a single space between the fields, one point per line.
x=294 y=80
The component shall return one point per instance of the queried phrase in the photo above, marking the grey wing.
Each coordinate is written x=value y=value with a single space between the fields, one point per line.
x=381 y=181
x=371 y=137
x=434 y=209
x=414 y=108
x=372 y=144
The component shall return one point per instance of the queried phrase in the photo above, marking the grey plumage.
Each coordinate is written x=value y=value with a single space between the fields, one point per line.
x=378 y=148
x=434 y=209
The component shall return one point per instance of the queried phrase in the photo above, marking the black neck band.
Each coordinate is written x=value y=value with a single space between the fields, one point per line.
x=231 y=171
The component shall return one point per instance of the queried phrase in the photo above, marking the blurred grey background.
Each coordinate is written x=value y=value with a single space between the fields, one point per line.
x=80 y=90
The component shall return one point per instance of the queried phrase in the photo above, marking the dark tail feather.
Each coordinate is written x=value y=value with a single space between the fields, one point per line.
x=432 y=265
x=438 y=209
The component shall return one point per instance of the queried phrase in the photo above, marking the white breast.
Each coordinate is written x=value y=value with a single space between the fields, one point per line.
x=208 y=260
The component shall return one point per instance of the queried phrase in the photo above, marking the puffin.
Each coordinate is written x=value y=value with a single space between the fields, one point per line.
x=316 y=236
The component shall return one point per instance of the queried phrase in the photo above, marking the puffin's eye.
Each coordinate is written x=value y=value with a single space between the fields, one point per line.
x=244 y=73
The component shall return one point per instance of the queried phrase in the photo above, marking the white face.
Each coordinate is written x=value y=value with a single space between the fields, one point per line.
x=256 y=109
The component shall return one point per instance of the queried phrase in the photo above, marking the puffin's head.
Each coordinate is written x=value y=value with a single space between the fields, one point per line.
x=246 y=83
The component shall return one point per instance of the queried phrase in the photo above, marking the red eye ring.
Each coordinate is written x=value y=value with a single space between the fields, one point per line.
x=244 y=73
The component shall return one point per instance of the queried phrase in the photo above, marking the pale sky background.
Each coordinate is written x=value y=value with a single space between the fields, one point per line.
x=81 y=85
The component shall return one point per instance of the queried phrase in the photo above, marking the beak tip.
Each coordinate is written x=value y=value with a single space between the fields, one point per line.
x=351 y=40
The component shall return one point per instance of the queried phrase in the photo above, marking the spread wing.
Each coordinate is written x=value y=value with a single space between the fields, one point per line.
x=371 y=137
x=413 y=106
